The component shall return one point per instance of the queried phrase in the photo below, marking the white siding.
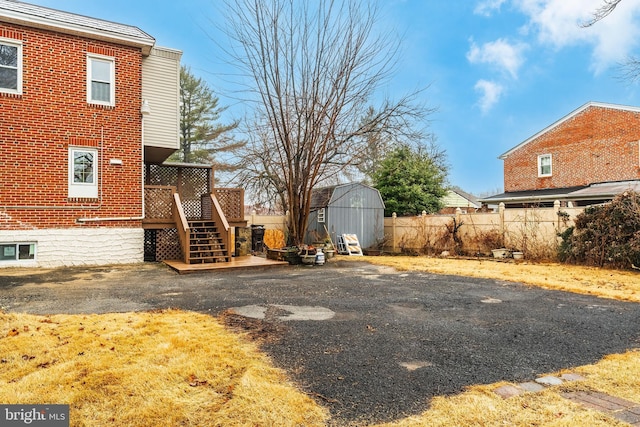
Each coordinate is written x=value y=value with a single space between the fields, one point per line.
x=454 y=200
x=161 y=89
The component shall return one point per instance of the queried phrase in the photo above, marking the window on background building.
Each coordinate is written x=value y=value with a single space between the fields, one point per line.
x=83 y=172
x=10 y=67
x=101 y=80
x=544 y=165
x=321 y=214
x=17 y=251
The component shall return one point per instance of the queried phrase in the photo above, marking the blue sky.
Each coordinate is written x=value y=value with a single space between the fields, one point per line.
x=498 y=71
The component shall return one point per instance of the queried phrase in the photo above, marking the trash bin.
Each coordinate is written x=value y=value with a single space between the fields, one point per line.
x=257 y=238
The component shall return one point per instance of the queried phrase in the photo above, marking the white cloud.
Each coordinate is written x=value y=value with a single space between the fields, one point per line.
x=500 y=53
x=486 y=7
x=490 y=93
x=557 y=23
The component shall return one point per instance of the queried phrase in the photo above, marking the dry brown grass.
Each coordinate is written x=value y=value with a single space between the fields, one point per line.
x=146 y=369
x=614 y=284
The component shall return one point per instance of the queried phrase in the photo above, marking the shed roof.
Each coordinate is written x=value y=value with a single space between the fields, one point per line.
x=322 y=197
x=568 y=117
x=70 y=23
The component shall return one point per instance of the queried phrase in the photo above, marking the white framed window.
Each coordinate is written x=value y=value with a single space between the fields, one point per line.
x=17 y=251
x=10 y=66
x=101 y=81
x=83 y=172
x=544 y=165
x=321 y=215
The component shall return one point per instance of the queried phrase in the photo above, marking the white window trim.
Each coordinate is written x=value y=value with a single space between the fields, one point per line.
x=540 y=157
x=321 y=215
x=18 y=44
x=112 y=75
x=20 y=261
x=84 y=190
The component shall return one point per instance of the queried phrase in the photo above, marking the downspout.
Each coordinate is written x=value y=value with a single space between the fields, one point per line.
x=145 y=110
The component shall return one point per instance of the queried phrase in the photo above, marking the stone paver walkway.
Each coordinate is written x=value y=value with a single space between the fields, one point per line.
x=623 y=410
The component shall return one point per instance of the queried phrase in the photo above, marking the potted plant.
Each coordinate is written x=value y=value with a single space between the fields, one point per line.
x=307 y=254
x=500 y=253
x=329 y=250
x=292 y=255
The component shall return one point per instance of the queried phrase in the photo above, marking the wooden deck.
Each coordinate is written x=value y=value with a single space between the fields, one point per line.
x=244 y=262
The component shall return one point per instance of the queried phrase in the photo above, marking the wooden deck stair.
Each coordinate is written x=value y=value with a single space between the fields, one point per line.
x=205 y=244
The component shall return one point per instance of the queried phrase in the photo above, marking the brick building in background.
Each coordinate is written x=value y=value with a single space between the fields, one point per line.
x=85 y=103
x=585 y=158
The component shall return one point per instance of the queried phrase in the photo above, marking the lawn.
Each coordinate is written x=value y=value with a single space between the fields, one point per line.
x=183 y=368
x=165 y=368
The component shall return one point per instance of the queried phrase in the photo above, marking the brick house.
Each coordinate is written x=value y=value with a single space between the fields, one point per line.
x=586 y=157
x=90 y=110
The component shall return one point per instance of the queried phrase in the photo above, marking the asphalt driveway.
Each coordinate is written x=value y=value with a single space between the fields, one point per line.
x=369 y=343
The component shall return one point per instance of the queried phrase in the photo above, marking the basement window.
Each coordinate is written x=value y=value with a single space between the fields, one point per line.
x=17 y=251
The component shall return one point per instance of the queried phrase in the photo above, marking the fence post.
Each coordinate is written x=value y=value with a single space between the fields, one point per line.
x=394 y=244
x=556 y=209
x=501 y=209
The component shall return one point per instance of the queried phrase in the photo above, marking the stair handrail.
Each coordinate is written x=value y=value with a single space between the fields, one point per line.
x=184 y=232
x=218 y=216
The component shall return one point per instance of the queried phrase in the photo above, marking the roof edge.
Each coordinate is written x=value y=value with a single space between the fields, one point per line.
x=519 y=198
x=567 y=117
x=145 y=43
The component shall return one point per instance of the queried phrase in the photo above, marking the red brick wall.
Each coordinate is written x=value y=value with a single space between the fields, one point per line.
x=597 y=145
x=37 y=128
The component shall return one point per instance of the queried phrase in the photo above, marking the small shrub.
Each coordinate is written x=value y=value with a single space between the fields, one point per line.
x=484 y=241
x=607 y=235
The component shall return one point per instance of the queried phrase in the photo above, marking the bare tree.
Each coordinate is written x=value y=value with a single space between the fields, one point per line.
x=314 y=69
x=602 y=12
x=630 y=68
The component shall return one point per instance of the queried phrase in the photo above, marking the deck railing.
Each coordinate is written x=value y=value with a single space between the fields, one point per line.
x=164 y=209
x=231 y=202
x=184 y=233
x=158 y=202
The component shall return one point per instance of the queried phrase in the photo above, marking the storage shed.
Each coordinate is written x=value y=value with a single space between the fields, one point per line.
x=347 y=209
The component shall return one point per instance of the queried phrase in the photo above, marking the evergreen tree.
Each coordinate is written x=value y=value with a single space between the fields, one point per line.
x=412 y=180
x=202 y=138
